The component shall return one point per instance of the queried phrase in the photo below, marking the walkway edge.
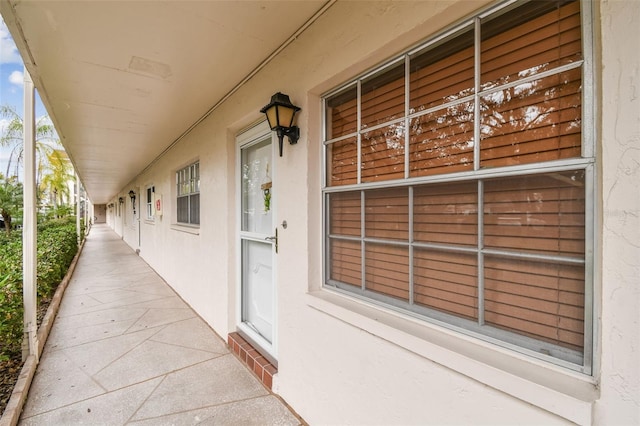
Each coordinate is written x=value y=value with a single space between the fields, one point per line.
x=13 y=409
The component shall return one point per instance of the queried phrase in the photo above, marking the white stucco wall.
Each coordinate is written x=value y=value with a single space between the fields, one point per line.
x=194 y=260
x=341 y=362
x=620 y=256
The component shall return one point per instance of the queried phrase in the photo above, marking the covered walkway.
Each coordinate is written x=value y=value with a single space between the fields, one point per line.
x=125 y=349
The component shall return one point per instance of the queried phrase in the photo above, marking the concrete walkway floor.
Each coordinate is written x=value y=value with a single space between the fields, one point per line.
x=126 y=350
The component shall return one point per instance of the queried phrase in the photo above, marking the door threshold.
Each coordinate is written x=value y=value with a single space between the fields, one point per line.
x=255 y=361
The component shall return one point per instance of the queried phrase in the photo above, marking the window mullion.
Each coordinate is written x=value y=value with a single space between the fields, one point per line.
x=588 y=104
x=189 y=183
x=476 y=166
x=589 y=296
x=324 y=145
x=188 y=218
x=411 y=245
x=362 y=242
x=476 y=99
x=327 y=261
x=480 y=274
x=358 y=129
x=407 y=89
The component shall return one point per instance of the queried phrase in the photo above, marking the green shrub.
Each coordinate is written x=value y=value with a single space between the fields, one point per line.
x=56 y=248
x=11 y=313
x=11 y=307
x=57 y=245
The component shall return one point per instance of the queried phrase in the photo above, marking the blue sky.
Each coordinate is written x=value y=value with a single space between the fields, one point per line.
x=11 y=83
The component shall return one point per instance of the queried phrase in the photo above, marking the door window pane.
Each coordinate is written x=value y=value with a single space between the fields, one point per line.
x=257 y=287
x=257 y=188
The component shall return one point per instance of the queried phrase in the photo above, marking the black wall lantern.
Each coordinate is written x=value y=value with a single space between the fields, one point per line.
x=280 y=113
x=132 y=195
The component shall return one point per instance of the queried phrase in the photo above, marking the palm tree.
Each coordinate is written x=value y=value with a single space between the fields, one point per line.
x=58 y=174
x=12 y=138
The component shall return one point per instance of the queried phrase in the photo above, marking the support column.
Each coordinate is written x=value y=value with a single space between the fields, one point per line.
x=78 y=228
x=86 y=213
x=29 y=225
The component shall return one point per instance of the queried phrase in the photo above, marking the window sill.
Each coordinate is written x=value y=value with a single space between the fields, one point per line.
x=562 y=392
x=189 y=229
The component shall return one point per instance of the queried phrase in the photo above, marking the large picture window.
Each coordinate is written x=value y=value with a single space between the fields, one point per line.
x=188 y=190
x=458 y=183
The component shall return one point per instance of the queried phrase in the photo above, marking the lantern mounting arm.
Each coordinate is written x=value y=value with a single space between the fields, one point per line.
x=293 y=133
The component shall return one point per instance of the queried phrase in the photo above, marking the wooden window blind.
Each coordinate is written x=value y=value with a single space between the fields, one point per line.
x=342 y=162
x=442 y=141
x=536 y=214
x=544 y=300
x=346 y=262
x=513 y=47
x=387 y=270
x=490 y=251
x=383 y=154
x=345 y=214
x=443 y=73
x=386 y=218
x=387 y=214
x=345 y=255
x=383 y=96
x=447 y=282
x=446 y=213
x=535 y=121
x=342 y=113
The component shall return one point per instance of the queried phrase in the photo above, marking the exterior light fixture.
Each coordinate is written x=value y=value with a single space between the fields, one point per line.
x=132 y=195
x=121 y=200
x=280 y=113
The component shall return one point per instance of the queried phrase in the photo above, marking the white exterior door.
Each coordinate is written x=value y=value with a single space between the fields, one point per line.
x=258 y=238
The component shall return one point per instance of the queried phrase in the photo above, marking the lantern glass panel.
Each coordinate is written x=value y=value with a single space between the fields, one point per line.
x=285 y=116
x=272 y=116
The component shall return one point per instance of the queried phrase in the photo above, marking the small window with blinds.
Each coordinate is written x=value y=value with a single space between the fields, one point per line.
x=457 y=187
x=188 y=194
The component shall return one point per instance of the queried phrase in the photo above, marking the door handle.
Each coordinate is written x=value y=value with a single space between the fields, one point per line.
x=274 y=239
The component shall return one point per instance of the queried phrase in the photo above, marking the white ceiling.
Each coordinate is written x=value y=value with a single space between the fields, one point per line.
x=122 y=80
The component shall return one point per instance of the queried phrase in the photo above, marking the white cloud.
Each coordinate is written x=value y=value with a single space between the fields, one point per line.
x=4 y=152
x=8 y=51
x=4 y=122
x=44 y=119
x=17 y=78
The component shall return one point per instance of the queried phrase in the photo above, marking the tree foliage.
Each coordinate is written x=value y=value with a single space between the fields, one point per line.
x=53 y=168
x=10 y=200
x=12 y=138
x=55 y=181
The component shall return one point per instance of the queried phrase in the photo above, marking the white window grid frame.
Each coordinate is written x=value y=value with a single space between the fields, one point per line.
x=187 y=185
x=586 y=162
x=149 y=193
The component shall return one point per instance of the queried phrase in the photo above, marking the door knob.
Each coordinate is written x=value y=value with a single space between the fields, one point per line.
x=274 y=239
